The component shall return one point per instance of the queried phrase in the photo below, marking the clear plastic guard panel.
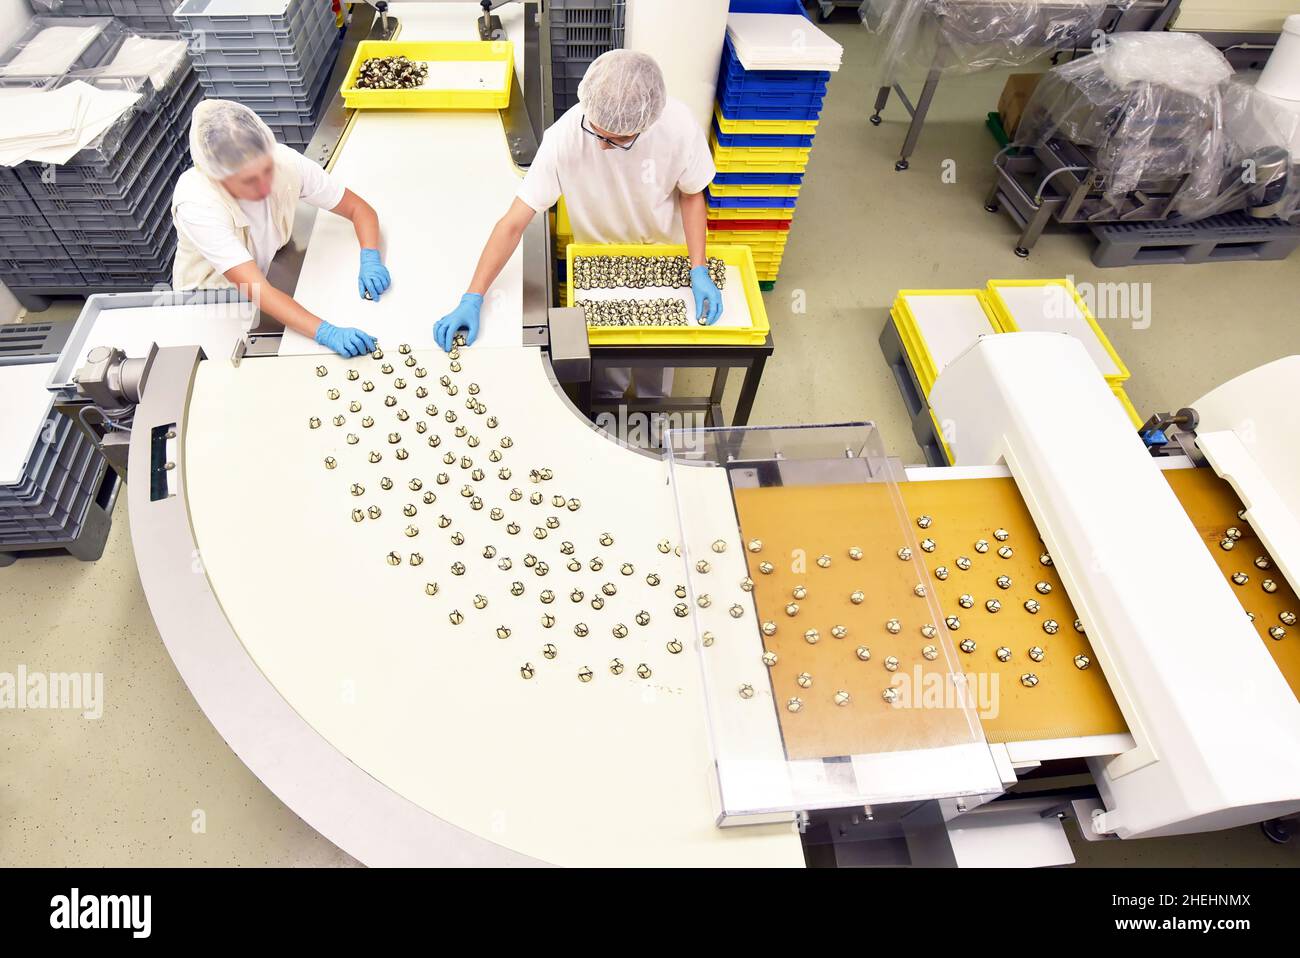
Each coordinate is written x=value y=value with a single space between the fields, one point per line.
x=830 y=677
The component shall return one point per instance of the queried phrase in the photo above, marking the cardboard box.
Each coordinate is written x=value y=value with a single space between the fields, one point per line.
x=1014 y=99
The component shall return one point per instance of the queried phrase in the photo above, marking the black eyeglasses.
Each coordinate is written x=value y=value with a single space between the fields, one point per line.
x=604 y=139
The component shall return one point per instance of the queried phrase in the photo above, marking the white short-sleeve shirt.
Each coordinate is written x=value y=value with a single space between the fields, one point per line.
x=210 y=231
x=621 y=196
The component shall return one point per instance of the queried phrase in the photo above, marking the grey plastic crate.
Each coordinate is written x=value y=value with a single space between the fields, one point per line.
x=62 y=511
x=89 y=537
x=230 y=22
x=287 y=63
x=32 y=342
x=144 y=8
x=581 y=30
x=53 y=451
x=305 y=113
x=107 y=214
x=110 y=35
x=277 y=94
x=43 y=278
x=64 y=499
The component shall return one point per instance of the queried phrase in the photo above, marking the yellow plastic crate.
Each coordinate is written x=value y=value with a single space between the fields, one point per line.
x=759 y=159
x=927 y=369
x=1129 y=408
x=1008 y=325
x=764 y=213
x=763 y=127
x=562 y=225
x=441 y=51
x=738 y=256
x=754 y=239
x=752 y=189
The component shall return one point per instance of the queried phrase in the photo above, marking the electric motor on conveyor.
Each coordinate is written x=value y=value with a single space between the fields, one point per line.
x=762 y=134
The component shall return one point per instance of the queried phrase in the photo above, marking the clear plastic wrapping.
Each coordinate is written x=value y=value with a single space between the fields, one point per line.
x=1159 y=112
x=966 y=36
x=54 y=46
x=1258 y=168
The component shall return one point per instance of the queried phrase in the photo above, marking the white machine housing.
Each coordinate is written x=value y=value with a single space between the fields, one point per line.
x=1215 y=725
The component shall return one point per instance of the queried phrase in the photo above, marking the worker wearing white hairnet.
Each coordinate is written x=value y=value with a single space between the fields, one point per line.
x=632 y=164
x=234 y=211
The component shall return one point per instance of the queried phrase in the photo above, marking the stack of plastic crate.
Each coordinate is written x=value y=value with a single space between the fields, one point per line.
x=274 y=56
x=110 y=205
x=581 y=30
x=154 y=16
x=563 y=231
x=100 y=221
x=58 y=494
x=764 y=122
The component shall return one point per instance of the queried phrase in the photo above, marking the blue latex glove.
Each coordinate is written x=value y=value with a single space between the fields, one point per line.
x=373 y=278
x=344 y=340
x=464 y=316
x=708 y=298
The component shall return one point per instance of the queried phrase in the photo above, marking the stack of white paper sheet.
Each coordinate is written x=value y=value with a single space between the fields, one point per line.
x=51 y=126
x=145 y=57
x=777 y=41
x=52 y=52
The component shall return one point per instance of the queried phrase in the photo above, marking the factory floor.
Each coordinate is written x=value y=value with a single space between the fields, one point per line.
x=151 y=782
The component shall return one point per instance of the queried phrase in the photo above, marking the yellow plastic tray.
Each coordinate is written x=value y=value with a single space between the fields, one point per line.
x=738 y=256
x=1008 y=325
x=434 y=51
x=753 y=189
x=763 y=213
x=927 y=369
x=759 y=159
x=755 y=239
x=764 y=127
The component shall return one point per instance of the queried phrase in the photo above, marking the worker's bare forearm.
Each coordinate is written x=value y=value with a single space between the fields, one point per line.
x=695 y=225
x=501 y=245
x=279 y=305
x=363 y=216
x=366 y=222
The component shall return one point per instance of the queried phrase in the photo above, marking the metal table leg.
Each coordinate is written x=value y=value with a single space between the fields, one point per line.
x=749 y=390
x=882 y=98
x=918 y=117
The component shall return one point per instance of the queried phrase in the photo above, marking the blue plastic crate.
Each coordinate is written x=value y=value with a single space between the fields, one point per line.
x=749 y=202
x=760 y=139
x=739 y=80
x=770 y=106
x=782 y=93
x=767 y=6
x=775 y=179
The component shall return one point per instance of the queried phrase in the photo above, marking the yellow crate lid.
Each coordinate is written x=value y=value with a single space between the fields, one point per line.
x=1054 y=305
x=758 y=213
x=753 y=189
x=764 y=127
x=759 y=159
x=489 y=62
x=717 y=335
x=939 y=324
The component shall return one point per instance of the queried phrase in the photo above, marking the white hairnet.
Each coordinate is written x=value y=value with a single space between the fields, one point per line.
x=226 y=136
x=623 y=92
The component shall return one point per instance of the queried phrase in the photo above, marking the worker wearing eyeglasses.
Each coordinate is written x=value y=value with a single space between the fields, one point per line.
x=632 y=164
